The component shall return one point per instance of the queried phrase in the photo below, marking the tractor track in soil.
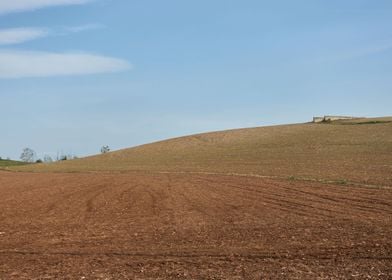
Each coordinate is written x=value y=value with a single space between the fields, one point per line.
x=190 y=226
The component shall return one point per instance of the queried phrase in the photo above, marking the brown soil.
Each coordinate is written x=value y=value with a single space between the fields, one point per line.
x=357 y=153
x=179 y=226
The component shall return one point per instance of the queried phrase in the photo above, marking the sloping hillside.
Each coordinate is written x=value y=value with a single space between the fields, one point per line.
x=360 y=152
x=7 y=163
x=114 y=223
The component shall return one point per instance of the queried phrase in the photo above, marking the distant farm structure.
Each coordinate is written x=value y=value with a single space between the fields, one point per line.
x=331 y=118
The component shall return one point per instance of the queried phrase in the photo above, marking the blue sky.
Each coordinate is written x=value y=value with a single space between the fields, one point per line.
x=79 y=74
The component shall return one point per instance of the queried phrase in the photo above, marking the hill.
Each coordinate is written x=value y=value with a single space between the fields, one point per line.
x=359 y=151
x=188 y=222
x=7 y=163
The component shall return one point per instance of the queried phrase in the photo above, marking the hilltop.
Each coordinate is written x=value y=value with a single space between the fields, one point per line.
x=359 y=151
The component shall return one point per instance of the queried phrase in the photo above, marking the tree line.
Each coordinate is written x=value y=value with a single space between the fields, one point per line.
x=28 y=155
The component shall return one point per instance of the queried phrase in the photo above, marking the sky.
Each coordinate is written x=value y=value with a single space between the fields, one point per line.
x=79 y=74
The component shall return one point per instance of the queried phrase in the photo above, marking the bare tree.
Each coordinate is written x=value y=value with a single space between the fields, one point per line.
x=47 y=159
x=28 y=155
x=105 y=149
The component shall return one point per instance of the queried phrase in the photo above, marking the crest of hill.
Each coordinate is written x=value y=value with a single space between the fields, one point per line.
x=358 y=151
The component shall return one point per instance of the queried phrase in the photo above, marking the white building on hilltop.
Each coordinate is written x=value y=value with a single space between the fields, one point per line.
x=331 y=118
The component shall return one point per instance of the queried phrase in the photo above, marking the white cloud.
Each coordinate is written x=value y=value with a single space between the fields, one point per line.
x=11 y=36
x=9 y=6
x=22 y=64
x=19 y=35
x=85 y=27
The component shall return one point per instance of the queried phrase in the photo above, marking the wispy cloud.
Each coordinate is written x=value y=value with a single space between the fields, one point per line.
x=10 y=6
x=356 y=53
x=12 y=36
x=21 y=64
x=85 y=27
x=29 y=64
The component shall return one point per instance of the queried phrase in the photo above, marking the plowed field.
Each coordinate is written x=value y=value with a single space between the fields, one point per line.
x=190 y=226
